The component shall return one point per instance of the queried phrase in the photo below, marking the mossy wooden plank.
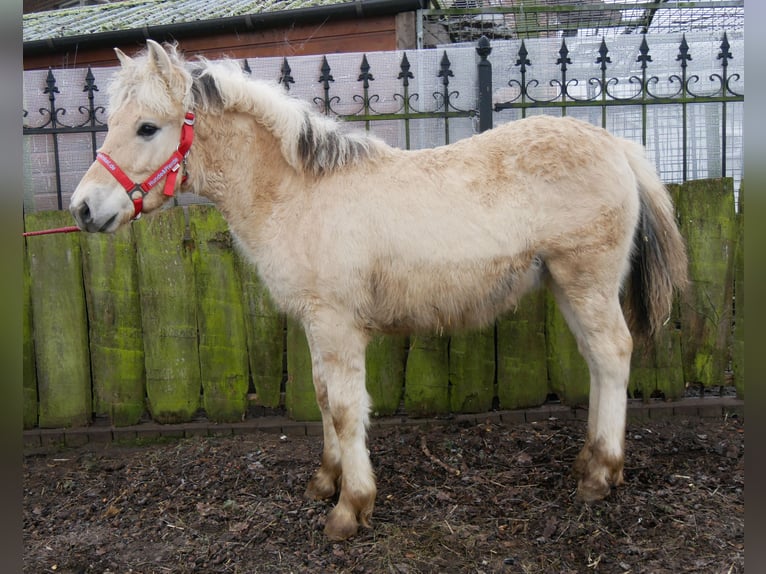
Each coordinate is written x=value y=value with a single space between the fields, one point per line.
x=472 y=371
x=426 y=389
x=522 y=361
x=168 y=316
x=60 y=327
x=738 y=345
x=29 y=392
x=220 y=317
x=707 y=223
x=643 y=372
x=300 y=398
x=668 y=362
x=567 y=369
x=114 y=316
x=265 y=331
x=384 y=367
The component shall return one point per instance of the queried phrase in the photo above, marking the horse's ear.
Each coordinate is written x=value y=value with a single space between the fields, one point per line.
x=159 y=58
x=124 y=59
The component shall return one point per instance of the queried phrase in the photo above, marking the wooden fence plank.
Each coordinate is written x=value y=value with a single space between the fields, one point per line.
x=567 y=370
x=29 y=396
x=708 y=224
x=522 y=362
x=265 y=330
x=300 y=398
x=220 y=317
x=59 y=323
x=114 y=323
x=426 y=390
x=738 y=345
x=384 y=366
x=472 y=371
x=168 y=316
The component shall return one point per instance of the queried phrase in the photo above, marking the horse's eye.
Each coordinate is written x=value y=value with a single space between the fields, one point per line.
x=147 y=130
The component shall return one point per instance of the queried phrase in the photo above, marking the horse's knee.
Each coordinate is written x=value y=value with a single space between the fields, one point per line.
x=597 y=471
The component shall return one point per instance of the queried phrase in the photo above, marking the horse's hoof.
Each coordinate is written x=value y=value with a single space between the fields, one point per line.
x=340 y=525
x=321 y=487
x=589 y=490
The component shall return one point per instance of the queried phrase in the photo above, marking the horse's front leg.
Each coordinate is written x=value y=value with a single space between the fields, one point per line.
x=337 y=358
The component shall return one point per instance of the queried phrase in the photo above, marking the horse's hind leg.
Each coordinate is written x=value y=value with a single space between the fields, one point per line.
x=338 y=354
x=593 y=313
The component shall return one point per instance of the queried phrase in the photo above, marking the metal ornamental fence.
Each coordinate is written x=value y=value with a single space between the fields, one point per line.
x=139 y=343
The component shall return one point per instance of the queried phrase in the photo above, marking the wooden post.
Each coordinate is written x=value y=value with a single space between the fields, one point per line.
x=707 y=223
x=265 y=330
x=116 y=335
x=60 y=327
x=426 y=390
x=384 y=367
x=29 y=397
x=567 y=370
x=220 y=317
x=472 y=371
x=168 y=315
x=738 y=345
x=522 y=364
x=300 y=398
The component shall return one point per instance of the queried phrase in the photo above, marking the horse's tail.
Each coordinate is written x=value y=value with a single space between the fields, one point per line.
x=659 y=264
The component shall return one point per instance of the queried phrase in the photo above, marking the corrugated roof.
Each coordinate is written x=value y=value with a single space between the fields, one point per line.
x=136 y=14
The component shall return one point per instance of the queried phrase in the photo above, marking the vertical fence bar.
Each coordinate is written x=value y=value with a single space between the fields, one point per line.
x=483 y=49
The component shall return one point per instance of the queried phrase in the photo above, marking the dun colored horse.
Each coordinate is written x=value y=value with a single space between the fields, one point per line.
x=352 y=236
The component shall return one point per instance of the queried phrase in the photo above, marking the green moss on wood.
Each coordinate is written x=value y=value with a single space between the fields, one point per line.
x=384 y=367
x=220 y=317
x=300 y=398
x=265 y=333
x=426 y=389
x=168 y=316
x=29 y=396
x=567 y=370
x=116 y=334
x=708 y=224
x=472 y=371
x=522 y=362
x=59 y=323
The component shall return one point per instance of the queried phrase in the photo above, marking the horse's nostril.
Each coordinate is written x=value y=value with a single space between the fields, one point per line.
x=84 y=213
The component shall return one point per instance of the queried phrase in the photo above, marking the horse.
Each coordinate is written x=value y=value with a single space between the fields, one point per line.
x=354 y=237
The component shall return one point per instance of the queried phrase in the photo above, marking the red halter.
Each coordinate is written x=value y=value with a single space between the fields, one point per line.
x=170 y=169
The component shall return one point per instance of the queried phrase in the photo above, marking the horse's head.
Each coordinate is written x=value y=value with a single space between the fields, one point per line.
x=138 y=162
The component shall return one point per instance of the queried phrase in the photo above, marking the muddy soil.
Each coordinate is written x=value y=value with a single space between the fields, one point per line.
x=483 y=498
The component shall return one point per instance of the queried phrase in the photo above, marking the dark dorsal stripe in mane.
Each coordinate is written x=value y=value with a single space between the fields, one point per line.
x=310 y=142
x=326 y=149
x=204 y=89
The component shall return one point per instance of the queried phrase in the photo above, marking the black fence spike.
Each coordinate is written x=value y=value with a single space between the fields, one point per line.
x=725 y=55
x=365 y=76
x=246 y=67
x=522 y=61
x=683 y=52
x=564 y=58
x=285 y=77
x=445 y=70
x=325 y=77
x=644 y=56
x=404 y=74
x=603 y=55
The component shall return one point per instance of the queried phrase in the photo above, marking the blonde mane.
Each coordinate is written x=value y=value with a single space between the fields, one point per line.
x=309 y=141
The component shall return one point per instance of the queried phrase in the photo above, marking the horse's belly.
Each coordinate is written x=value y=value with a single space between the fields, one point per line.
x=449 y=297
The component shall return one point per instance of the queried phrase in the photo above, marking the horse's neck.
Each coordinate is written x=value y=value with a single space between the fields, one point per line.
x=238 y=165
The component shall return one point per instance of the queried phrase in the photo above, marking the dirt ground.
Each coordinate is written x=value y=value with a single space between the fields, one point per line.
x=457 y=498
